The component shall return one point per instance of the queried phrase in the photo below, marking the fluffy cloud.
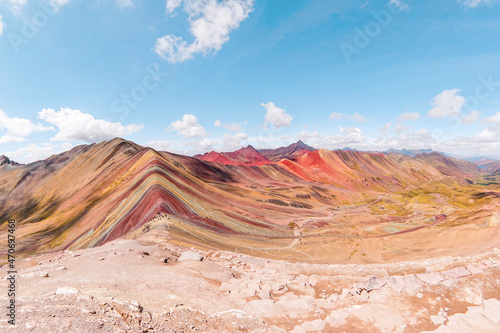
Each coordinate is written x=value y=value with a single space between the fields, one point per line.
x=18 y=128
x=337 y=116
x=231 y=127
x=172 y=5
x=471 y=118
x=233 y=141
x=57 y=4
x=276 y=116
x=447 y=104
x=347 y=136
x=474 y=3
x=32 y=153
x=74 y=125
x=188 y=127
x=487 y=135
x=206 y=144
x=162 y=145
x=211 y=22
x=358 y=118
x=409 y=116
x=494 y=119
x=1 y=25
x=355 y=117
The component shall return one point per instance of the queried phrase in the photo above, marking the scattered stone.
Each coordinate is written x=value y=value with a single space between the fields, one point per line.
x=101 y=259
x=397 y=283
x=316 y=325
x=298 y=329
x=477 y=268
x=260 y=307
x=457 y=272
x=375 y=283
x=191 y=255
x=492 y=263
x=412 y=284
x=264 y=294
x=431 y=278
x=438 y=320
x=419 y=295
x=313 y=280
x=66 y=291
x=34 y=275
x=492 y=310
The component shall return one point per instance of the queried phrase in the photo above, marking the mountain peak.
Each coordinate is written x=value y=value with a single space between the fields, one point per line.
x=5 y=160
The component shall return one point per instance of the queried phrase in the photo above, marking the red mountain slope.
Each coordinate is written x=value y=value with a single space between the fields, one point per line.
x=248 y=155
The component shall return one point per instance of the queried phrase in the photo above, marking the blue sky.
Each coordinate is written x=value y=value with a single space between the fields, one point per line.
x=190 y=76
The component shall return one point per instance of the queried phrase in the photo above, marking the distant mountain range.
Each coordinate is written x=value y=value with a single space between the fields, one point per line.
x=410 y=153
x=481 y=160
x=248 y=155
x=491 y=168
x=294 y=150
x=96 y=193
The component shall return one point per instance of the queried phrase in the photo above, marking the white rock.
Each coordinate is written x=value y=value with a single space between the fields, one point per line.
x=492 y=310
x=191 y=255
x=66 y=291
x=263 y=308
x=315 y=326
x=438 y=320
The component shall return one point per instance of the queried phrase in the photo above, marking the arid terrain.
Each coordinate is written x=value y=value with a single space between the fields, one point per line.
x=119 y=237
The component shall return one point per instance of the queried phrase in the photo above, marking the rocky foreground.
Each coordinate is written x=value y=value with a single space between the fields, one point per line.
x=129 y=286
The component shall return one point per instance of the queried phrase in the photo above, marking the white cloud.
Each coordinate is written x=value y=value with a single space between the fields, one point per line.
x=447 y=104
x=385 y=130
x=18 y=128
x=210 y=21
x=32 y=153
x=471 y=118
x=1 y=25
x=231 y=127
x=74 y=125
x=188 y=127
x=337 y=116
x=409 y=116
x=358 y=118
x=350 y=135
x=276 y=116
x=347 y=136
x=162 y=145
x=494 y=119
x=355 y=117
x=66 y=146
x=206 y=144
x=474 y=3
x=125 y=3
x=399 y=4
x=487 y=135
x=233 y=141
x=172 y=5
x=15 y=5
x=57 y=4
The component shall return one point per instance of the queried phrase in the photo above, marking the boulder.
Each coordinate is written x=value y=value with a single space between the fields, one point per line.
x=191 y=255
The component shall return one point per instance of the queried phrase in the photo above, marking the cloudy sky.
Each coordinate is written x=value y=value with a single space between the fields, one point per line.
x=190 y=76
